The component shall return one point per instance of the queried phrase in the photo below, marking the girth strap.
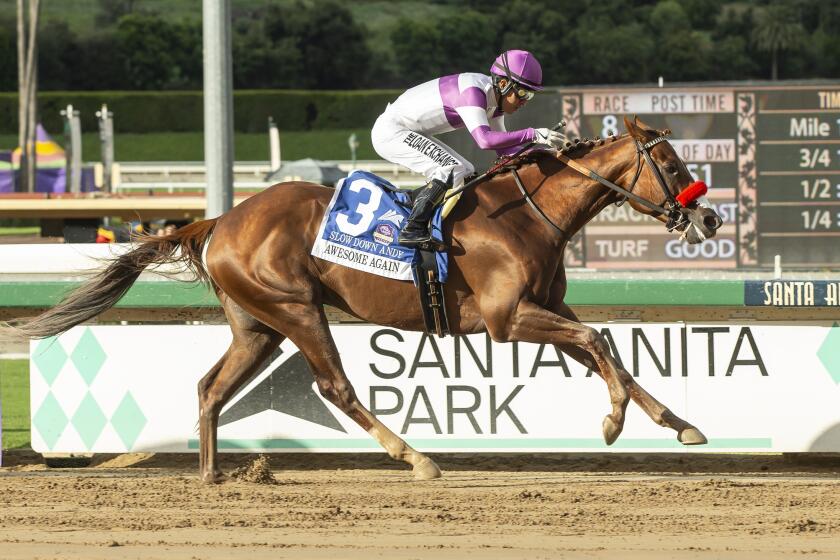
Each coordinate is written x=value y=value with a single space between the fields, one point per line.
x=536 y=208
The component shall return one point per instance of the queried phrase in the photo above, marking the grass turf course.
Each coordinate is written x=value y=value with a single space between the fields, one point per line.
x=14 y=397
x=22 y=230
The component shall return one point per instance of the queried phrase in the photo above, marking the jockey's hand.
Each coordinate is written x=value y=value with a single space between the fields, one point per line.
x=548 y=137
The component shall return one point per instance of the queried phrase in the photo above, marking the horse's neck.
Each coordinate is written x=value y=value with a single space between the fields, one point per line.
x=567 y=198
x=573 y=199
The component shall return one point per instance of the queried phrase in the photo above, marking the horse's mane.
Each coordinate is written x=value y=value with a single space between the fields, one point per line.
x=573 y=149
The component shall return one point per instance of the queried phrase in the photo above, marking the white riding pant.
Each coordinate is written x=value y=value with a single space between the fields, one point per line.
x=421 y=154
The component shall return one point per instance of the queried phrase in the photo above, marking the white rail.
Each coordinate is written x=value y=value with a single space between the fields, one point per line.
x=256 y=168
x=191 y=186
x=189 y=176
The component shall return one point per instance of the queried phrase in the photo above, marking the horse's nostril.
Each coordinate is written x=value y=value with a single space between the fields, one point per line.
x=712 y=222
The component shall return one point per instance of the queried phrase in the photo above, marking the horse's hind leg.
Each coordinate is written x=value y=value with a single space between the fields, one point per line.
x=252 y=343
x=659 y=413
x=311 y=335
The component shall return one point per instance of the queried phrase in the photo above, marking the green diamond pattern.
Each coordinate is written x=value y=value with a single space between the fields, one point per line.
x=50 y=420
x=50 y=358
x=88 y=356
x=829 y=353
x=128 y=420
x=89 y=420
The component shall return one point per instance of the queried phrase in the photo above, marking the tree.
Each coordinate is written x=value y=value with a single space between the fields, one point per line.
x=58 y=55
x=110 y=11
x=826 y=42
x=330 y=42
x=730 y=60
x=684 y=57
x=8 y=70
x=417 y=50
x=614 y=54
x=681 y=54
x=260 y=62
x=100 y=65
x=468 y=42
x=702 y=13
x=668 y=18
x=777 y=30
x=543 y=29
x=464 y=42
x=159 y=54
x=27 y=29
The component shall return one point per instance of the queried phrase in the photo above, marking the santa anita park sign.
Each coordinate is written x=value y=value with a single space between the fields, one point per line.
x=751 y=387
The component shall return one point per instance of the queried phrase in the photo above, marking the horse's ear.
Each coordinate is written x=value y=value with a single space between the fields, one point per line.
x=632 y=128
x=639 y=130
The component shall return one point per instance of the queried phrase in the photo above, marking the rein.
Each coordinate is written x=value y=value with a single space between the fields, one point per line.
x=628 y=192
x=672 y=209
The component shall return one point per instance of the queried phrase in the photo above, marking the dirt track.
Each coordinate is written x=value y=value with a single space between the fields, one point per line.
x=593 y=507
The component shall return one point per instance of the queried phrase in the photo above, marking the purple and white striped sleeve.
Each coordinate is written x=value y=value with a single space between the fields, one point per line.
x=468 y=107
x=497 y=123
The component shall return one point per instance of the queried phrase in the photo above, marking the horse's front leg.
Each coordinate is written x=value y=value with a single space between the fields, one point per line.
x=659 y=413
x=529 y=322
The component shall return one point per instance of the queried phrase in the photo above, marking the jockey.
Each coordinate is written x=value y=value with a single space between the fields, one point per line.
x=404 y=133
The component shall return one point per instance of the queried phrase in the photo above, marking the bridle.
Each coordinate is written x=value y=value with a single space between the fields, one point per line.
x=672 y=208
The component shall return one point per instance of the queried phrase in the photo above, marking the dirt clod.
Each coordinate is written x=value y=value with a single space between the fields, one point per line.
x=257 y=471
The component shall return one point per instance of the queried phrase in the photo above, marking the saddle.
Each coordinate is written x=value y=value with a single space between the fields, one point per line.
x=360 y=230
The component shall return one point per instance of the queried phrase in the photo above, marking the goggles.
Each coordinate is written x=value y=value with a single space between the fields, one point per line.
x=522 y=93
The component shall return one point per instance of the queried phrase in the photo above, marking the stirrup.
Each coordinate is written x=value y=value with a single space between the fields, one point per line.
x=425 y=242
x=430 y=244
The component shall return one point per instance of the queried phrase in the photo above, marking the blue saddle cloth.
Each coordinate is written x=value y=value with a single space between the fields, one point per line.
x=361 y=225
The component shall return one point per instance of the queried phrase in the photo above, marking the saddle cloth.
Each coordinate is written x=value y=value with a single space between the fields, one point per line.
x=361 y=225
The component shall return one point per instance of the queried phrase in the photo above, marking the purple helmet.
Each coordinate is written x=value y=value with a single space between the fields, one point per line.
x=521 y=67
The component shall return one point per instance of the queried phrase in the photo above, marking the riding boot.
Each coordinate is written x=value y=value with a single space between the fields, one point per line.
x=416 y=230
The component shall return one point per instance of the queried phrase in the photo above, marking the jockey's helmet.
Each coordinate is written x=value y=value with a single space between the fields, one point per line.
x=519 y=67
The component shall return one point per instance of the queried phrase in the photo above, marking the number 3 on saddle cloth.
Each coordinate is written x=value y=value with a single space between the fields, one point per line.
x=360 y=229
x=361 y=226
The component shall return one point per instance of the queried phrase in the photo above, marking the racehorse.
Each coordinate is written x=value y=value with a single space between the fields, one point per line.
x=506 y=277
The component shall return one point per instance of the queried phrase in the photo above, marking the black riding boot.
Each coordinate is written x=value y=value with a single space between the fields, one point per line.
x=416 y=230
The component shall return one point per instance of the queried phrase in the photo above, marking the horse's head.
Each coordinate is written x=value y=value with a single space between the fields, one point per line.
x=696 y=219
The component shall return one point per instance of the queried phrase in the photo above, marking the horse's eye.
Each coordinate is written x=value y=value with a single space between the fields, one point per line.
x=670 y=168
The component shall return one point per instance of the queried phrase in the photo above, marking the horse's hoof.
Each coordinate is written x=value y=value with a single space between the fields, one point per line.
x=611 y=430
x=426 y=470
x=692 y=436
x=217 y=477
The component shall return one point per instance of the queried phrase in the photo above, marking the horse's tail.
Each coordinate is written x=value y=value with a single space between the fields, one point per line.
x=104 y=290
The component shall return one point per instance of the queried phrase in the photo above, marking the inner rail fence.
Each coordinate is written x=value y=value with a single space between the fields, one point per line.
x=248 y=176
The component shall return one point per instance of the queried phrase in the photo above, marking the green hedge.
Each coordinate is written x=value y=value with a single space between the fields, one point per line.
x=182 y=111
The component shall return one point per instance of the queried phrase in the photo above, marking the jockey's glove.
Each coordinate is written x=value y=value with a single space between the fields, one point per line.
x=548 y=137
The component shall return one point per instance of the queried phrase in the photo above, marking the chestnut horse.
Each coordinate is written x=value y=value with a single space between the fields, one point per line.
x=506 y=277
